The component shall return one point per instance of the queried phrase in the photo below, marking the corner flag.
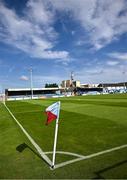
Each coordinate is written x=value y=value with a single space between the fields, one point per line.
x=52 y=112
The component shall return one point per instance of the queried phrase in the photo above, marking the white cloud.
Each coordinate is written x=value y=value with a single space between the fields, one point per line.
x=63 y=55
x=94 y=71
x=32 y=33
x=103 y=20
x=117 y=55
x=42 y=80
x=112 y=63
x=38 y=12
x=102 y=73
x=24 y=78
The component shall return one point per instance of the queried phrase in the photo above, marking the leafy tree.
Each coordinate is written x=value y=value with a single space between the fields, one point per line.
x=51 y=85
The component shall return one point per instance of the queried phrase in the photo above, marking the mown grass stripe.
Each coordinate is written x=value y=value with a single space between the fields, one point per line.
x=30 y=139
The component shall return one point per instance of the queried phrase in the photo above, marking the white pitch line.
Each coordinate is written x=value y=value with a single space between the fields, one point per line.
x=89 y=156
x=66 y=153
x=42 y=154
x=68 y=162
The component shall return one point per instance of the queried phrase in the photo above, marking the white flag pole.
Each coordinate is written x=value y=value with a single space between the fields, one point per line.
x=55 y=138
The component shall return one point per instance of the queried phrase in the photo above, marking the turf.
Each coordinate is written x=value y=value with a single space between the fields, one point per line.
x=87 y=125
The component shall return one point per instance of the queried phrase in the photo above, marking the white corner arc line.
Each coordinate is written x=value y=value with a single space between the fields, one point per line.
x=42 y=154
x=66 y=153
x=89 y=156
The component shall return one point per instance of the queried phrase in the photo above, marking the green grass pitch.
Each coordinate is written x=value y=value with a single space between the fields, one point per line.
x=87 y=125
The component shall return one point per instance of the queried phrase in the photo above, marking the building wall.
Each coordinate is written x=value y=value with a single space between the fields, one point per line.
x=66 y=83
x=89 y=85
x=69 y=83
x=76 y=83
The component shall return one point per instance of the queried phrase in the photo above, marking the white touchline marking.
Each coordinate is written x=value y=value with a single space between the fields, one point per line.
x=89 y=156
x=42 y=154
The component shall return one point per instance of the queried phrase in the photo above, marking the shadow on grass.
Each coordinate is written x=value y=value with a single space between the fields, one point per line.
x=20 y=148
x=99 y=173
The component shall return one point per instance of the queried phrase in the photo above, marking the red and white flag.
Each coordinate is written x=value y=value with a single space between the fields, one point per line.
x=52 y=112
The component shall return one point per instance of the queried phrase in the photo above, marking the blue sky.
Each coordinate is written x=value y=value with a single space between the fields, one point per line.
x=88 y=37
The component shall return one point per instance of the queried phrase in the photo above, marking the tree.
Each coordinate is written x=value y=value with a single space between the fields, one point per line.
x=51 y=85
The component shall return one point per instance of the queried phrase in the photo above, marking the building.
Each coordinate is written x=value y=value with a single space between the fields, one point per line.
x=76 y=83
x=89 y=85
x=88 y=90
x=66 y=84
x=27 y=93
x=114 y=87
x=70 y=83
